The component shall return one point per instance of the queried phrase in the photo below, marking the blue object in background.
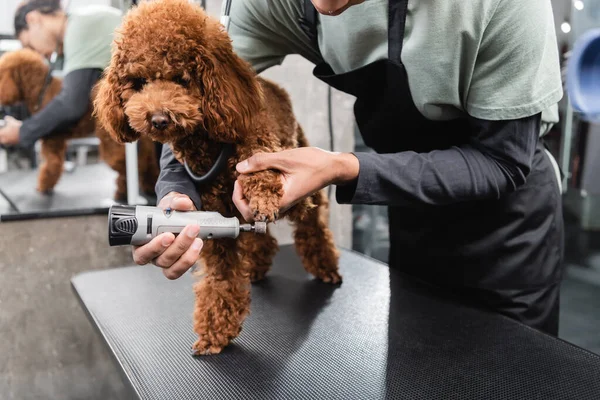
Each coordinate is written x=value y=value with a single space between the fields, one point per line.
x=583 y=76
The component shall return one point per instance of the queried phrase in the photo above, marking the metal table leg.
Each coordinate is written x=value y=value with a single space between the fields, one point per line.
x=131 y=162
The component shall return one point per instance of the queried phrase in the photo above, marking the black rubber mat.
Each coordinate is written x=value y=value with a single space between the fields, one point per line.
x=376 y=336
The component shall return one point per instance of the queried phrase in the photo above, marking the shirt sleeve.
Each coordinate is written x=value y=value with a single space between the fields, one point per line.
x=174 y=178
x=66 y=109
x=517 y=70
x=264 y=32
x=496 y=161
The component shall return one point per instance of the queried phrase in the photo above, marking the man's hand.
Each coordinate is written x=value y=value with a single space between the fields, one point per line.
x=9 y=134
x=304 y=171
x=174 y=255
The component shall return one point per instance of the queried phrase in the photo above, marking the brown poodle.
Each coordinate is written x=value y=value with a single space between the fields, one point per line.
x=175 y=65
x=22 y=77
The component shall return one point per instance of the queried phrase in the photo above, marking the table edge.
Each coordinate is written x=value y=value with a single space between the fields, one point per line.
x=93 y=321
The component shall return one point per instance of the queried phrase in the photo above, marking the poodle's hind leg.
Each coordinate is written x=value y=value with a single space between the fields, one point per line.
x=314 y=241
x=53 y=159
x=222 y=297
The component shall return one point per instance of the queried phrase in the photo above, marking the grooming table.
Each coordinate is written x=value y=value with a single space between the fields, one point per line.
x=377 y=336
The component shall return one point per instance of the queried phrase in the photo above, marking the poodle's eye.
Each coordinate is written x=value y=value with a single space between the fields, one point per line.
x=181 y=81
x=137 y=84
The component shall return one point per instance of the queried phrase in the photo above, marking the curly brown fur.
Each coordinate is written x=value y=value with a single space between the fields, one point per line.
x=175 y=78
x=22 y=78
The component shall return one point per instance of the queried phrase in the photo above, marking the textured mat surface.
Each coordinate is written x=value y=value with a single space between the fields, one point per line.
x=376 y=336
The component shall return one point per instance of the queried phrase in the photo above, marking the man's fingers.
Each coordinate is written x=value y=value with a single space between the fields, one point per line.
x=240 y=202
x=185 y=262
x=181 y=244
x=143 y=255
x=261 y=162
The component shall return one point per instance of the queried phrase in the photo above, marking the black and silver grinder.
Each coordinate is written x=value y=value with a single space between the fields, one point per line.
x=138 y=225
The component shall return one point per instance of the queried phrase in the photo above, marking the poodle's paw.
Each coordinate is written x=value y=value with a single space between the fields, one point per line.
x=265 y=209
x=204 y=348
x=329 y=276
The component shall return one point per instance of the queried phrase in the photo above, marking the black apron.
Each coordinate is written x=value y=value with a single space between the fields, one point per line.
x=505 y=254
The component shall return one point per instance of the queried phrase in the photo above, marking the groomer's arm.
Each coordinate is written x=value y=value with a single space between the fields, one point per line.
x=497 y=160
x=66 y=109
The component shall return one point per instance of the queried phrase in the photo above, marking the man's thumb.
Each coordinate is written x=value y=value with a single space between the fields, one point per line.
x=183 y=203
x=252 y=164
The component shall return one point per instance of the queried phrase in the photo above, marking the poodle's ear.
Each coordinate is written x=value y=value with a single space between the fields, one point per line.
x=231 y=94
x=109 y=108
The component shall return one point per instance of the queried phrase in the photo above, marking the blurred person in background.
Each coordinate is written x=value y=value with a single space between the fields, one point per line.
x=83 y=37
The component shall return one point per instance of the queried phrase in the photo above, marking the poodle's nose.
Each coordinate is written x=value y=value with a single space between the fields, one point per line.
x=160 y=121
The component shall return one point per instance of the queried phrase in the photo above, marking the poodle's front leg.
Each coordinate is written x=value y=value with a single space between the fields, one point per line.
x=222 y=297
x=263 y=190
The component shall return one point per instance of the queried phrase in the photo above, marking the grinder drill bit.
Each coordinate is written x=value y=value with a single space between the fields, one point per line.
x=138 y=225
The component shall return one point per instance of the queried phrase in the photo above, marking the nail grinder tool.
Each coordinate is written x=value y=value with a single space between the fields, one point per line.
x=137 y=225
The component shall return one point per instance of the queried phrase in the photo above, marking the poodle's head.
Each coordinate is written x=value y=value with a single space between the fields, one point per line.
x=21 y=73
x=173 y=72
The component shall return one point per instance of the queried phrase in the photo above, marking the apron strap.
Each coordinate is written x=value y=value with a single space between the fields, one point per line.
x=308 y=22
x=397 y=10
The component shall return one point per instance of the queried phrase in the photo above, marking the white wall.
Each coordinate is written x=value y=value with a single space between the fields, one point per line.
x=7 y=12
